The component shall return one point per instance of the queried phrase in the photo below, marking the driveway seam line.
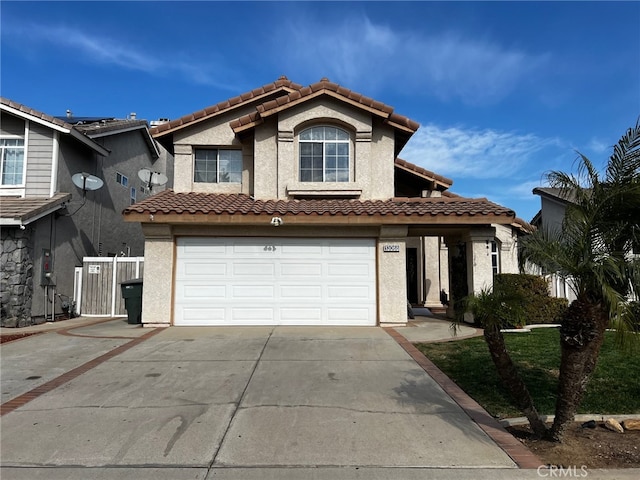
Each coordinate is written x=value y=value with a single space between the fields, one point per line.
x=54 y=383
x=244 y=392
x=520 y=454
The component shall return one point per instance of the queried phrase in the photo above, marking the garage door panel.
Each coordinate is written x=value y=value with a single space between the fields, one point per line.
x=350 y=292
x=204 y=316
x=253 y=316
x=204 y=292
x=356 y=316
x=297 y=316
x=264 y=292
x=358 y=270
x=275 y=281
x=300 y=292
x=253 y=269
x=205 y=269
x=297 y=270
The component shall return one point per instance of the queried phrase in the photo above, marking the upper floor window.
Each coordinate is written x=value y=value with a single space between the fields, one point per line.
x=12 y=161
x=324 y=155
x=122 y=180
x=218 y=166
x=133 y=196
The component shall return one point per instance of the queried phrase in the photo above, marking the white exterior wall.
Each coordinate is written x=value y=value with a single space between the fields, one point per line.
x=508 y=248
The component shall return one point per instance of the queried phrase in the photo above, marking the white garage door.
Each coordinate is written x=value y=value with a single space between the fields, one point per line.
x=275 y=281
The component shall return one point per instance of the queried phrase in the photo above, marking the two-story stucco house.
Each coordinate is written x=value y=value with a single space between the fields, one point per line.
x=48 y=224
x=290 y=207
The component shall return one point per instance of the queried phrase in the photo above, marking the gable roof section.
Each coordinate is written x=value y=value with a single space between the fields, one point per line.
x=56 y=124
x=22 y=211
x=555 y=194
x=324 y=87
x=423 y=173
x=113 y=126
x=283 y=85
x=291 y=94
x=169 y=206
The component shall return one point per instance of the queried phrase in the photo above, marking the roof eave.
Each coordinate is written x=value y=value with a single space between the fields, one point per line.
x=195 y=121
x=65 y=128
x=36 y=214
x=316 y=219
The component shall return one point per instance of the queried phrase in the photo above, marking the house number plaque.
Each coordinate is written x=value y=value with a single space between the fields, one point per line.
x=391 y=248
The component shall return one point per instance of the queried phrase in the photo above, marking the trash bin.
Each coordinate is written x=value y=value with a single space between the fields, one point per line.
x=132 y=294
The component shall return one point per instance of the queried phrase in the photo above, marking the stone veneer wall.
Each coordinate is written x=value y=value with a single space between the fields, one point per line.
x=16 y=277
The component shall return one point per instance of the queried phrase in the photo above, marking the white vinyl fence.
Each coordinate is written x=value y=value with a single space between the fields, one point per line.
x=97 y=290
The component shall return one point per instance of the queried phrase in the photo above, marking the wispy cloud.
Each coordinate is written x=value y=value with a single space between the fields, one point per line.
x=457 y=151
x=444 y=65
x=103 y=50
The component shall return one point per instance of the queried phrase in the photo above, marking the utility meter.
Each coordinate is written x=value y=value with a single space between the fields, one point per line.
x=47 y=267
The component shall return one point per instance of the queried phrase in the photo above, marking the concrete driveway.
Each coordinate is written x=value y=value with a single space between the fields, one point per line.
x=116 y=401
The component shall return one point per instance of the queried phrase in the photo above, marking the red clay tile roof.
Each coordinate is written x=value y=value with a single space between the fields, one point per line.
x=169 y=202
x=283 y=84
x=292 y=94
x=444 y=181
x=323 y=86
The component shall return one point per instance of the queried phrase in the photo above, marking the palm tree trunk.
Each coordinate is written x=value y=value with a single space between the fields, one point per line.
x=581 y=337
x=512 y=380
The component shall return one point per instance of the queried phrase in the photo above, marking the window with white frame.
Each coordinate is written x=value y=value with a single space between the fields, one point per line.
x=217 y=165
x=495 y=257
x=133 y=195
x=122 y=180
x=324 y=154
x=12 y=161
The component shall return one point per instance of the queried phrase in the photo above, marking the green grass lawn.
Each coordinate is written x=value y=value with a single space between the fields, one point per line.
x=613 y=389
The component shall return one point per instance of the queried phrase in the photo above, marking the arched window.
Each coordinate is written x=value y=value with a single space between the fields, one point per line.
x=324 y=154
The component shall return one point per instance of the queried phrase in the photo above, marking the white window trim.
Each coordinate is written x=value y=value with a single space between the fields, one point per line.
x=121 y=177
x=18 y=190
x=217 y=149
x=348 y=142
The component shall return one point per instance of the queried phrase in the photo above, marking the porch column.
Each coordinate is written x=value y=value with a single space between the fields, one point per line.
x=432 y=259
x=392 y=276
x=455 y=254
x=479 y=269
x=157 y=307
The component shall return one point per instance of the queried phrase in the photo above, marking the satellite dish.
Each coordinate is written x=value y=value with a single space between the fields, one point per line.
x=86 y=181
x=152 y=178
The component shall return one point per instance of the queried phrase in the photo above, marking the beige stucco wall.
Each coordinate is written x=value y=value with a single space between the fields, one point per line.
x=157 y=300
x=270 y=156
x=392 y=280
x=212 y=133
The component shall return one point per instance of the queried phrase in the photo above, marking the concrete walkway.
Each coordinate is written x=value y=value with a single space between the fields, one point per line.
x=115 y=401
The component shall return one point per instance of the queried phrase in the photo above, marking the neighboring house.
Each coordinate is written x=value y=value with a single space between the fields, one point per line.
x=552 y=209
x=47 y=223
x=290 y=207
x=553 y=204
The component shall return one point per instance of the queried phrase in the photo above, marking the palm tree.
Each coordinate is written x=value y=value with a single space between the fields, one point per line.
x=495 y=309
x=592 y=249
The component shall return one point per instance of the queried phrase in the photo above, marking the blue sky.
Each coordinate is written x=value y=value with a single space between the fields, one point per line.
x=504 y=91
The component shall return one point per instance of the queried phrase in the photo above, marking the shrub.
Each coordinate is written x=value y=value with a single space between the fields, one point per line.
x=539 y=306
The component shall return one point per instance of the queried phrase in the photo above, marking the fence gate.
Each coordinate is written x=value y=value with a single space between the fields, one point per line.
x=98 y=287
